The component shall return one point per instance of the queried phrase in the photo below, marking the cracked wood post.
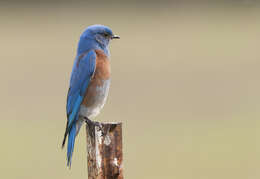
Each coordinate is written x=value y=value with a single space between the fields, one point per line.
x=104 y=145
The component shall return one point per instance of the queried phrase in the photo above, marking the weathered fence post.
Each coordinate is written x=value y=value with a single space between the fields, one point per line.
x=104 y=145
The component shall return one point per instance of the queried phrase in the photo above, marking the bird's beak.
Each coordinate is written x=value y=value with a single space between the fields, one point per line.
x=115 y=37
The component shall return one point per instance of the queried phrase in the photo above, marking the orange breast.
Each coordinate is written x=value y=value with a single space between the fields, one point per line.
x=102 y=71
x=101 y=74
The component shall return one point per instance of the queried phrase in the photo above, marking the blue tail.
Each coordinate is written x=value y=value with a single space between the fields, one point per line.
x=71 y=141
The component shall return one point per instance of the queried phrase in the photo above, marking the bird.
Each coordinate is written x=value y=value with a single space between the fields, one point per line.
x=89 y=81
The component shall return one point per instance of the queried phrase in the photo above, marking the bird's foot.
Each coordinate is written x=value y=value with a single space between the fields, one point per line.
x=91 y=125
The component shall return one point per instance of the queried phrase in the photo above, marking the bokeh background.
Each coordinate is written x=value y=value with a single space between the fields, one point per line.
x=186 y=85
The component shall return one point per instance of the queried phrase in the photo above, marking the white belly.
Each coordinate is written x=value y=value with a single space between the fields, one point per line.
x=100 y=100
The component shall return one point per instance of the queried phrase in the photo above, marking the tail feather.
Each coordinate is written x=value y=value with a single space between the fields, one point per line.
x=65 y=136
x=71 y=141
x=71 y=131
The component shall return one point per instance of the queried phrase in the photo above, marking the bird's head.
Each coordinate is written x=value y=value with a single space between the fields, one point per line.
x=99 y=33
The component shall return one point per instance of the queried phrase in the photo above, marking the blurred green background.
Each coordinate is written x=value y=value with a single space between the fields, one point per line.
x=185 y=83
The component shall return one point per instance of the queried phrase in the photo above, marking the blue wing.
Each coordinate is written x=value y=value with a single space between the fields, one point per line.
x=82 y=72
x=83 y=69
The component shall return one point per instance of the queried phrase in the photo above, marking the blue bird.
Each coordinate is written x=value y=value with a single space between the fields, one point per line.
x=89 y=82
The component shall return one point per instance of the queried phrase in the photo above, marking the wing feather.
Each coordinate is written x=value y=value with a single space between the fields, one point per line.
x=82 y=72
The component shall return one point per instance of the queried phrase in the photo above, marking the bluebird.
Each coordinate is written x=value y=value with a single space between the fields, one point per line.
x=89 y=81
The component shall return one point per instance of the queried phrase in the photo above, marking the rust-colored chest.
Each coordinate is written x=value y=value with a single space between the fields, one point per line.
x=102 y=71
x=97 y=90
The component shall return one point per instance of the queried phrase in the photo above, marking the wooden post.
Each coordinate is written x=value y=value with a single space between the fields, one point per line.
x=104 y=145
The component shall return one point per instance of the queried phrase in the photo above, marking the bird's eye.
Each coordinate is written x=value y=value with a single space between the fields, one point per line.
x=105 y=35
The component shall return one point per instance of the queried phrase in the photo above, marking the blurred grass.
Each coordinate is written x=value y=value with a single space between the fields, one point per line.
x=185 y=85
